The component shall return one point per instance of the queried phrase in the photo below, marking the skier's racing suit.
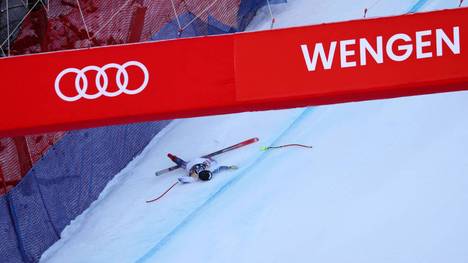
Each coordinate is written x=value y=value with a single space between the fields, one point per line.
x=195 y=166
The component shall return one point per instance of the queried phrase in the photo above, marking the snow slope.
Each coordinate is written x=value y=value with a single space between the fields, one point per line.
x=385 y=182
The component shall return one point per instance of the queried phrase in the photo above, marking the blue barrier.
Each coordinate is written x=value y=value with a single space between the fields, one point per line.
x=63 y=184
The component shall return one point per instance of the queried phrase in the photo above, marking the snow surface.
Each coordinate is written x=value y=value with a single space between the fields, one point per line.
x=386 y=181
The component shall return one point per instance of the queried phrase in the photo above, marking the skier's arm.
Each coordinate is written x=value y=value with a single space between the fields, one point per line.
x=186 y=179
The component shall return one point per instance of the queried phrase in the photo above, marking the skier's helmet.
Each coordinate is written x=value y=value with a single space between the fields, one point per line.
x=205 y=175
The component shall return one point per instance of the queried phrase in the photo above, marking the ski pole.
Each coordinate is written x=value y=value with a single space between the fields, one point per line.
x=266 y=148
x=163 y=194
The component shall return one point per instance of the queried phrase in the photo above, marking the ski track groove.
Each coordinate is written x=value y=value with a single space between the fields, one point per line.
x=416 y=7
x=221 y=190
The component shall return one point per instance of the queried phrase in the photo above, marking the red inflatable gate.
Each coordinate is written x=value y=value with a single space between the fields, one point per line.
x=312 y=65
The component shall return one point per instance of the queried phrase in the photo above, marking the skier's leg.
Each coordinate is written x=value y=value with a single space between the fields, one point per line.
x=177 y=160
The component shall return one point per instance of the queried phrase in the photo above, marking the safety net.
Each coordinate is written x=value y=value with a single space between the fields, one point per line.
x=47 y=180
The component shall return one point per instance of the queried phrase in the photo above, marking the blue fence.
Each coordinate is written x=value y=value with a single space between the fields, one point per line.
x=63 y=184
x=75 y=171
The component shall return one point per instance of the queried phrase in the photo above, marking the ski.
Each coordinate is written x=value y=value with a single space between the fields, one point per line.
x=227 y=149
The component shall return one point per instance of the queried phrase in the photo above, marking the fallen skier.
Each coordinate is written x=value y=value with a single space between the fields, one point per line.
x=202 y=168
x=199 y=168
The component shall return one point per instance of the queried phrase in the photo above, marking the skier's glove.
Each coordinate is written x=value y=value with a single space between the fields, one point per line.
x=186 y=179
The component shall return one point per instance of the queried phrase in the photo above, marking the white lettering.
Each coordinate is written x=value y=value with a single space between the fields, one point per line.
x=319 y=51
x=345 y=53
x=453 y=45
x=398 y=47
x=407 y=48
x=420 y=44
x=377 y=55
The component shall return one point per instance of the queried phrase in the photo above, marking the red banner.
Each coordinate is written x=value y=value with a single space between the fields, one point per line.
x=312 y=65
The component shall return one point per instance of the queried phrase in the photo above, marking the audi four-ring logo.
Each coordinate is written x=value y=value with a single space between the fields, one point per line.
x=102 y=81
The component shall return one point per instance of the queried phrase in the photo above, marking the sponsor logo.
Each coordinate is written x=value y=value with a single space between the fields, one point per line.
x=101 y=81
